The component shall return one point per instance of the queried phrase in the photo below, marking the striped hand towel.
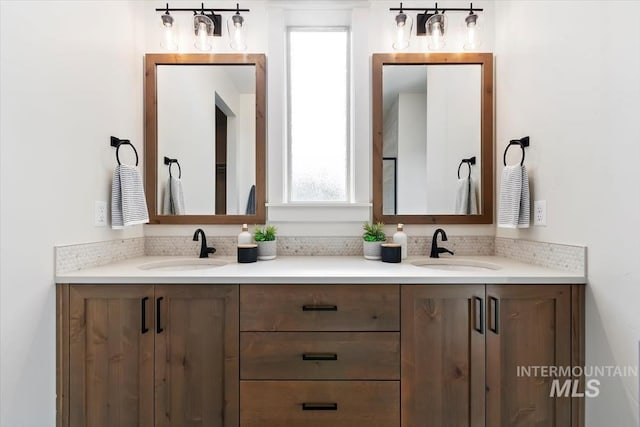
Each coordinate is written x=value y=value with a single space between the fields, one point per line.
x=466 y=199
x=173 y=203
x=514 y=207
x=128 y=204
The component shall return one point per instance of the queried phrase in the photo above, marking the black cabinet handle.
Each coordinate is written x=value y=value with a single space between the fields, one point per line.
x=319 y=356
x=158 y=316
x=319 y=308
x=478 y=315
x=319 y=406
x=143 y=303
x=494 y=319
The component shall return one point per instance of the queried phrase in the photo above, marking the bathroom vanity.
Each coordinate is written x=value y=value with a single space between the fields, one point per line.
x=316 y=341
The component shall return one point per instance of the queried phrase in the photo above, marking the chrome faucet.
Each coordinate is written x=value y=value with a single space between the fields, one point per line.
x=435 y=250
x=204 y=249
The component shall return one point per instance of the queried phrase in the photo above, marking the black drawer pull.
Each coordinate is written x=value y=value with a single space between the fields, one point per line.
x=478 y=314
x=319 y=308
x=144 y=328
x=158 y=315
x=319 y=406
x=494 y=313
x=319 y=356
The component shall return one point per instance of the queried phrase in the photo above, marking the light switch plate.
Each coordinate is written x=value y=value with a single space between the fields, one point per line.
x=540 y=213
x=100 y=213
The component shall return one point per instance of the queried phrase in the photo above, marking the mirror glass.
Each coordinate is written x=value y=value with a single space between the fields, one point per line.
x=432 y=138
x=205 y=138
x=431 y=128
x=206 y=131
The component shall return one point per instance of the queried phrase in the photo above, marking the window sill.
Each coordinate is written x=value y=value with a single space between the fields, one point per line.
x=319 y=212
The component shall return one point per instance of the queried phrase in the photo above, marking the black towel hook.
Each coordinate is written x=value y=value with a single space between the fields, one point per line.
x=522 y=142
x=117 y=142
x=170 y=162
x=470 y=161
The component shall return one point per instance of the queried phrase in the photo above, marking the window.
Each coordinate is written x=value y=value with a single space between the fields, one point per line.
x=319 y=114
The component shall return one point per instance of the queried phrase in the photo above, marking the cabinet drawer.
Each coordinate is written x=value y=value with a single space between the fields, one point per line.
x=319 y=403
x=319 y=308
x=320 y=355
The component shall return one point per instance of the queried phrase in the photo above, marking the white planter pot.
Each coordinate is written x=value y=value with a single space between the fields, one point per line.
x=267 y=250
x=372 y=250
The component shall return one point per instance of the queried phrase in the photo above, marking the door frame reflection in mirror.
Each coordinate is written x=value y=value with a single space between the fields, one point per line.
x=485 y=60
x=152 y=61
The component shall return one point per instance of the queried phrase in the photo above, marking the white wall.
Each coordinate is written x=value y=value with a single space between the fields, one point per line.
x=567 y=75
x=412 y=154
x=70 y=76
x=453 y=133
x=187 y=97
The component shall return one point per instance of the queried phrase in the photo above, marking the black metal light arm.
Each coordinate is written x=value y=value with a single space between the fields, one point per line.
x=199 y=9
x=434 y=9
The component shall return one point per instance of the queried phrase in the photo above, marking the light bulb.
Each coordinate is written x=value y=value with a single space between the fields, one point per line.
x=473 y=33
x=169 y=30
x=436 y=37
x=436 y=29
x=237 y=32
x=203 y=28
x=403 y=25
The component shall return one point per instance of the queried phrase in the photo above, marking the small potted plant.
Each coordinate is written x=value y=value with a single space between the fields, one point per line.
x=372 y=239
x=266 y=239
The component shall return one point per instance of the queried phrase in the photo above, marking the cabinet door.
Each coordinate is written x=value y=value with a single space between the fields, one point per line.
x=526 y=326
x=443 y=348
x=197 y=341
x=110 y=356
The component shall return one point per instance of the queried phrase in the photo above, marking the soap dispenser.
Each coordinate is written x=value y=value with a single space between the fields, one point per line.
x=400 y=237
x=245 y=238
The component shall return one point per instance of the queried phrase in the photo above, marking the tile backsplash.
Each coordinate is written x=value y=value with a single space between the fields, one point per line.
x=87 y=255
x=552 y=255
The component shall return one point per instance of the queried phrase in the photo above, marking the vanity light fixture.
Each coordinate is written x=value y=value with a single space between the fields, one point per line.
x=436 y=27
x=207 y=23
x=237 y=31
x=403 y=26
x=432 y=22
x=472 y=29
x=203 y=27
x=169 y=30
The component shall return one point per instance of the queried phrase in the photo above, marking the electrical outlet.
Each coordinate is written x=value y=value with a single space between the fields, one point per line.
x=540 y=212
x=100 y=214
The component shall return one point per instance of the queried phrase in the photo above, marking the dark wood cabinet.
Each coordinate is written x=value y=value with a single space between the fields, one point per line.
x=316 y=355
x=124 y=350
x=458 y=341
x=196 y=363
x=527 y=326
x=320 y=355
x=110 y=356
x=443 y=355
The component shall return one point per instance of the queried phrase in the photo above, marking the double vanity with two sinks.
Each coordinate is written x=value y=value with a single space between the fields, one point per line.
x=316 y=341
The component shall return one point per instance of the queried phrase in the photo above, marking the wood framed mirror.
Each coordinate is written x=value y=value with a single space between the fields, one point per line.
x=433 y=138
x=205 y=138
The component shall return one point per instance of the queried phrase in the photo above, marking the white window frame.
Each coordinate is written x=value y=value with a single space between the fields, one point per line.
x=341 y=215
x=349 y=166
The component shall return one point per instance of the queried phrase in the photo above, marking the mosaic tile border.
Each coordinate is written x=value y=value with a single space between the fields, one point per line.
x=550 y=255
x=87 y=255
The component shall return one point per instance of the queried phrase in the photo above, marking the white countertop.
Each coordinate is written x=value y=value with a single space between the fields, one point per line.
x=320 y=269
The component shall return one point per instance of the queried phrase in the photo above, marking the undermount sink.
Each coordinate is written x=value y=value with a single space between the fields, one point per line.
x=183 y=264
x=452 y=264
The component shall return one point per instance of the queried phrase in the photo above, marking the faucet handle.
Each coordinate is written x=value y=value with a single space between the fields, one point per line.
x=443 y=250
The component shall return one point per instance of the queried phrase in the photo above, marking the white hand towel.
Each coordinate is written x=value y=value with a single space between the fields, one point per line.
x=514 y=207
x=128 y=204
x=466 y=199
x=173 y=203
